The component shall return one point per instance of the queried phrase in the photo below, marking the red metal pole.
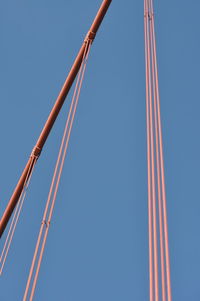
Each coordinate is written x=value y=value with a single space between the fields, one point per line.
x=53 y=115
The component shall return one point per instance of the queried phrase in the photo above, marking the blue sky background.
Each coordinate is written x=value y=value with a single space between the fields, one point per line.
x=97 y=247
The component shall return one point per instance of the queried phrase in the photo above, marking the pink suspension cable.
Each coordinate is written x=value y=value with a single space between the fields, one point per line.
x=162 y=254
x=41 y=242
x=163 y=181
x=151 y=291
x=16 y=216
x=155 y=162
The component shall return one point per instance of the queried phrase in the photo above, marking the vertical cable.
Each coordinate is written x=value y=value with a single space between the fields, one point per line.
x=155 y=166
x=155 y=243
x=40 y=245
x=162 y=174
x=16 y=215
x=151 y=292
x=162 y=255
x=58 y=180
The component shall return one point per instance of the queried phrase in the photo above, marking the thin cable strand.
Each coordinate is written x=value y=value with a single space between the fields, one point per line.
x=151 y=291
x=155 y=243
x=50 y=193
x=57 y=185
x=158 y=163
x=57 y=174
x=162 y=176
x=155 y=164
x=16 y=215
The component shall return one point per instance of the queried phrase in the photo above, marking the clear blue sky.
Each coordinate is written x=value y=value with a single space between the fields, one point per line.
x=101 y=209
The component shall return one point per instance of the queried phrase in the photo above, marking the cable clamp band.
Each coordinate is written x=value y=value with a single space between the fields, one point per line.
x=90 y=37
x=36 y=152
x=150 y=16
x=44 y=222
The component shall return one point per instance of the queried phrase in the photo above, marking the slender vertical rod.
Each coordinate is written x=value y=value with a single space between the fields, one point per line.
x=166 y=236
x=150 y=223
x=152 y=165
x=53 y=115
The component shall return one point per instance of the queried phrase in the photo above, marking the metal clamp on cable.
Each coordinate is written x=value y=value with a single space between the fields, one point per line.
x=150 y=15
x=90 y=37
x=36 y=152
x=44 y=222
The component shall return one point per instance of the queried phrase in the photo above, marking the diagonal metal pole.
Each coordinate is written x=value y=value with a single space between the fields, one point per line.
x=52 y=116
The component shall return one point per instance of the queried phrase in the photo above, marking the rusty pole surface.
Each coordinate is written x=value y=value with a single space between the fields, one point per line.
x=52 y=116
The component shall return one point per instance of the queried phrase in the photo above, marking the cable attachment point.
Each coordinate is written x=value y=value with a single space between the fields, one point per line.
x=46 y=223
x=150 y=16
x=36 y=152
x=90 y=37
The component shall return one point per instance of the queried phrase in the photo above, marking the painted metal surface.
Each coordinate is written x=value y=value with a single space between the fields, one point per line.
x=52 y=116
